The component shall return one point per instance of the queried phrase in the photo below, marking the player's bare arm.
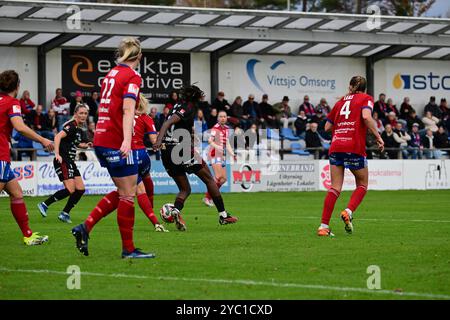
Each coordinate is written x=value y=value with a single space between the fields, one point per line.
x=166 y=125
x=128 y=118
x=368 y=120
x=26 y=131
x=58 y=137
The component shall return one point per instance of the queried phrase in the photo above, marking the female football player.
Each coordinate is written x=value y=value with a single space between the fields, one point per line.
x=112 y=142
x=176 y=141
x=11 y=117
x=219 y=145
x=349 y=121
x=67 y=141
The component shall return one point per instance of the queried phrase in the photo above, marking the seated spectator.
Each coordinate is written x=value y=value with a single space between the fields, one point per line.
x=172 y=101
x=287 y=117
x=90 y=132
x=433 y=108
x=93 y=103
x=212 y=118
x=371 y=145
x=237 y=112
x=76 y=101
x=413 y=118
x=391 y=107
x=200 y=123
x=388 y=137
x=40 y=123
x=415 y=144
x=300 y=124
x=251 y=110
x=391 y=119
x=163 y=116
x=204 y=105
x=314 y=140
x=154 y=114
x=405 y=109
x=268 y=113
x=380 y=106
x=52 y=121
x=430 y=121
x=378 y=123
x=26 y=104
x=61 y=107
x=220 y=103
x=428 y=143
x=445 y=111
x=309 y=109
x=323 y=107
x=321 y=120
x=403 y=138
x=441 y=138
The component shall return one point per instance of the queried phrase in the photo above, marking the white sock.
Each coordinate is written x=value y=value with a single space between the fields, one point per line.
x=349 y=211
x=223 y=214
x=324 y=226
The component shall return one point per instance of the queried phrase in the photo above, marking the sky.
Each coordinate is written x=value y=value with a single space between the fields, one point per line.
x=439 y=9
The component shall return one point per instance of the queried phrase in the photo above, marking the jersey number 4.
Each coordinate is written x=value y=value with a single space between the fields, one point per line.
x=345 y=110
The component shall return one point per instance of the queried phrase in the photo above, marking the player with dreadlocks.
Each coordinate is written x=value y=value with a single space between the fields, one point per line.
x=176 y=141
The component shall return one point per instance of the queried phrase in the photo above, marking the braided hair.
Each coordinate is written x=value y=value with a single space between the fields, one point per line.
x=191 y=93
x=358 y=84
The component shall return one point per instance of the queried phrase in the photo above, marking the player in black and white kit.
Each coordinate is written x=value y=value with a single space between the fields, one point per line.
x=67 y=141
x=176 y=141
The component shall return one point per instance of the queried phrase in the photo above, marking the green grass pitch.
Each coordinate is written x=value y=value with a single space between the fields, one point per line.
x=272 y=253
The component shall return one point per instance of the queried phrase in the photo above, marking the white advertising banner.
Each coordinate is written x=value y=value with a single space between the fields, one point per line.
x=383 y=175
x=429 y=174
x=95 y=178
x=293 y=76
x=25 y=173
x=275 y=177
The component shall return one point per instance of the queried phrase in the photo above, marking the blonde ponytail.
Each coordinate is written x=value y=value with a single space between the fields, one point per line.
x=129 y=50
x=143 y=106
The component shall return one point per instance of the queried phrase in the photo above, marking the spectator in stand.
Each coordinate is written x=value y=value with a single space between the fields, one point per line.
x=220 y=103
x=391 y=119
x=388 y=137
x=200 y=124
x=204 y=105
x=321 y=119
x=413 y=118
x=212 y=118
x=163 y=116
x=323 y=107
x=447 y=124
x=314 y=140
x=90 y=132
x=172 y=101
x=428 y=143
x=237 y=112
x=309 y=109
x=40 y=123
x=76 y=101
x=430 y=121
x=415 y=144
x=26 y=104
x=52 y=121
x=433 y=108
x=61 y=107
x=403 y=138
x=287 y=117
x=441 y=138
x=300 y=124
x=391 y=107
x=380 y=106
x=371 y=145
x=251 y=110
x=268 y=113
x=445 y=111
x=154 y=114
x=405 y=109
x=378 y=123
x=93 y=104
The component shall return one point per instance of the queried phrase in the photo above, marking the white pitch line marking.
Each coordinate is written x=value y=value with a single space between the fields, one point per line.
x=388 y=219
x=240 y=282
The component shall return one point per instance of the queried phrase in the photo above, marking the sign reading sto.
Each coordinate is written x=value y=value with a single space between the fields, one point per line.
x=161 y=72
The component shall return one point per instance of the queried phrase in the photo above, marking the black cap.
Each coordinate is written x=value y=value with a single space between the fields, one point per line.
x=265 y=96
x=285 y=98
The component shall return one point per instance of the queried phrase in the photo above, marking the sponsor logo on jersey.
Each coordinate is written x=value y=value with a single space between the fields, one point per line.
x=133 y=89
x=16 y=109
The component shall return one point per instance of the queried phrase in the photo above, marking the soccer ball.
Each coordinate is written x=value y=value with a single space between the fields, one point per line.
x=165 y=213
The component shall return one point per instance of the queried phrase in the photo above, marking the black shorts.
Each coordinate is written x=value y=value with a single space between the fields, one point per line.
x=189 y=167
x=66 y=170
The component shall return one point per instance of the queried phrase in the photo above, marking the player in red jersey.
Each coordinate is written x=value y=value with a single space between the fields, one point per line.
x=112 y=142
x=219 y=145
x=349 y=121
x=11 y=117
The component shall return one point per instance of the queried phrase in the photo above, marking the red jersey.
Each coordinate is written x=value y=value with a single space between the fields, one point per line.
x=349 y=129
x=9 y=107
x=219 y=134
x=143 y=125
x=120 y=83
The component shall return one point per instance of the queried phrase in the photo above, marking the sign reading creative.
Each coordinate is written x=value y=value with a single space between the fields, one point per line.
x=161 y=72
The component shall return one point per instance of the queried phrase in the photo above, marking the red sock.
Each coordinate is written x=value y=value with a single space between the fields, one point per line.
x=19 y=211
x=218 y=184
x=125 y=220
x=357 y=197
x=149 y=188
x=328 y=205
x=107 y=205
x=146 y=206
